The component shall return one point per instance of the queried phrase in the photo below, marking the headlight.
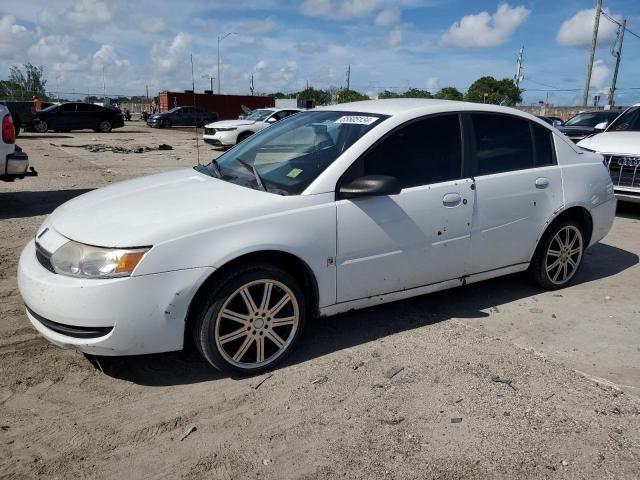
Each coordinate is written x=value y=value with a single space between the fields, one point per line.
x=225 y=129
x=78 y=260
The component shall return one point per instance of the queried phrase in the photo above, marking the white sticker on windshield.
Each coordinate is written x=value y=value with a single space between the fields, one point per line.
x=357 y=120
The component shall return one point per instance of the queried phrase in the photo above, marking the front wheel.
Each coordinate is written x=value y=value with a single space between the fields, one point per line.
x=167 y=123
x=251 y=321
x=559 y=255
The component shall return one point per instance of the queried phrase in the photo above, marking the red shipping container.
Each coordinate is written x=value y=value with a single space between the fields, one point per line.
x=228 y=107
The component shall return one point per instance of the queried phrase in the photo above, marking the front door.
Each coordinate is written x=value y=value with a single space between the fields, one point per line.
x=418 y=237
x=518 y=187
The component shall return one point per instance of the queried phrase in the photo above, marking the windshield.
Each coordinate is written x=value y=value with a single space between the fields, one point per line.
x=286 y=157
x=259 y=115
x=50 y=107
x=173 y=110
x=629 y=121
x=588 y=119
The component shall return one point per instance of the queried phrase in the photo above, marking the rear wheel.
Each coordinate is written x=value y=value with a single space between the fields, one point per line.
x=104 y=126
x=251 y=320
x=41 y=126
x=559 y=255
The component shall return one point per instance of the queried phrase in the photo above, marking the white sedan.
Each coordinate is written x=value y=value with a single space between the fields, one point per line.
x=334 y=209
x=226 y=133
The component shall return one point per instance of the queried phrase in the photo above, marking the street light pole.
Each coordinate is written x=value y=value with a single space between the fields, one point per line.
x=211 y=79
x=220 y=38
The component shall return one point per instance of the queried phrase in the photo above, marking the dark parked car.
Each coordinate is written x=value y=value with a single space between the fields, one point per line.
x=583 y=124
x=22 y=113
x=553 y=121
x=182 y=117
x=78 y=116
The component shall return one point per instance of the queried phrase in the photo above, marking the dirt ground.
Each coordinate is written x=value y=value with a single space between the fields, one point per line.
x=477 y=382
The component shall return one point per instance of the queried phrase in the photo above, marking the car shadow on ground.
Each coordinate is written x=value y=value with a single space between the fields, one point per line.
x=29 y=136
x=31 y=204
x=327 y=335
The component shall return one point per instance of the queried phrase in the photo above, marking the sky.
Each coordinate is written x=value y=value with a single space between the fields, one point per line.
x=390 y=44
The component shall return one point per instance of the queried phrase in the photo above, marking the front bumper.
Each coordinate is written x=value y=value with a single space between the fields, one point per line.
x=628 y=195
x=225 y=139
x=129 y=316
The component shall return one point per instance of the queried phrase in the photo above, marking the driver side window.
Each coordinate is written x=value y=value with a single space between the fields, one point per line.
x=421 y=152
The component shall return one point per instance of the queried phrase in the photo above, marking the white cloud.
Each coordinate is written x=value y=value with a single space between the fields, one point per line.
x=432 y=83
x=484 y=29
x=81 y=16
x=577 y=30
x=599 y=74
x=316 y=8
x=339 y=9
x=169 y=58
x=258 y=27
x=395 y=37
x=108 y=58
x=388 y=16
x=153 y=25
x=14 y=39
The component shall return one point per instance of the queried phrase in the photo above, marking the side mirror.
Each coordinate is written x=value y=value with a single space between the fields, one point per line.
x=371 y=186
x=271 y=120
x=601 y=126
x=557 y=123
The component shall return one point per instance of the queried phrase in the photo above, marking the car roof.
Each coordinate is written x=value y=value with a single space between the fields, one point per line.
x=418 y=106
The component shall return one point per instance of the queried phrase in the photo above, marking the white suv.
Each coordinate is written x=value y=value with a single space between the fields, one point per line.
x=229 y=132
x=14 y=163
x=620 y=145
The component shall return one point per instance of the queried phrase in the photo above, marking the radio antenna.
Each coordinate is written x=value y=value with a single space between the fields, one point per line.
x=195 y=127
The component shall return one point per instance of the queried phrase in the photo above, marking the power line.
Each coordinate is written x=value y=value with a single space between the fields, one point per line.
x=619 y=24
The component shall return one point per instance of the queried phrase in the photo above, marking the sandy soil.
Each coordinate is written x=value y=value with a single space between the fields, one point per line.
x=406 y=390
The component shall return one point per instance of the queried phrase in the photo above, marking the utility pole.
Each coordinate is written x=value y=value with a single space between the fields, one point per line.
x=251 y=89
x=348 y=76
x=519 y=76
x=147 y=87
x=211 y=78
x=220 y=38
x=594 y=40
x=618 y=54
x=104 y=87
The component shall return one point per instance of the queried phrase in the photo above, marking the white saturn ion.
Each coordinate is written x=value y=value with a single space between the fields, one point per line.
x=334 y=209
x=226 y=133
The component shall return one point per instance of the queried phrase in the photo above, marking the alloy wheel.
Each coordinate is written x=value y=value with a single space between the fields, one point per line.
x=257 y=324
x=564 y=255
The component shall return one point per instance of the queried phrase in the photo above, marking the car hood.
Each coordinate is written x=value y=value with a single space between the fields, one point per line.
x=576 y=130
x=613 y=142
x=157 y=208
x=230 y=123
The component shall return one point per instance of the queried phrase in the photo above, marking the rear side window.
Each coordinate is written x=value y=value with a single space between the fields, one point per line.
x=503 y=143
x=544 y=146
x=421 y=153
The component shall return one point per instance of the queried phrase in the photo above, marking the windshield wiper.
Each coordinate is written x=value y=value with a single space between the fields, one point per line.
x=252 y=169
x=216 y=166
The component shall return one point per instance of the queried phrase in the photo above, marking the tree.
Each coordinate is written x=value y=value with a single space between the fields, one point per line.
x=346 y=96
x=499 y=92
x=388 y=94
x=319 y=97
x=28 y=83
x=449 y=93
x=417 y=93
x=278 y=95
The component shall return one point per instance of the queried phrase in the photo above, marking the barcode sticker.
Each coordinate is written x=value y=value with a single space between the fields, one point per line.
x=357 y=120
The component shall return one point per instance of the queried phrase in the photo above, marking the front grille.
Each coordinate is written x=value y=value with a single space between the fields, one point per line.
x=71 y=330
x=209 y=131
x=624 y=170
x=44 y=258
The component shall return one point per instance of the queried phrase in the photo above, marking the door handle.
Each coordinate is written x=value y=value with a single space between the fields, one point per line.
x=451 y=200
x=542 y=182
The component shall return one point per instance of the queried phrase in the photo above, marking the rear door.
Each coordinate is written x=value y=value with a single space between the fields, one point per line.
x=87 y=116
x=418 y=237
x=518 y=186
x=64 y=119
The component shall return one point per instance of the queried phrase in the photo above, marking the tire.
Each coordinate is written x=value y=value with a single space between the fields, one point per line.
x=243 y=136
x=559 y=255
x=167 y=123
x=104 y=126
x=41 y=127
x=245 y=340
